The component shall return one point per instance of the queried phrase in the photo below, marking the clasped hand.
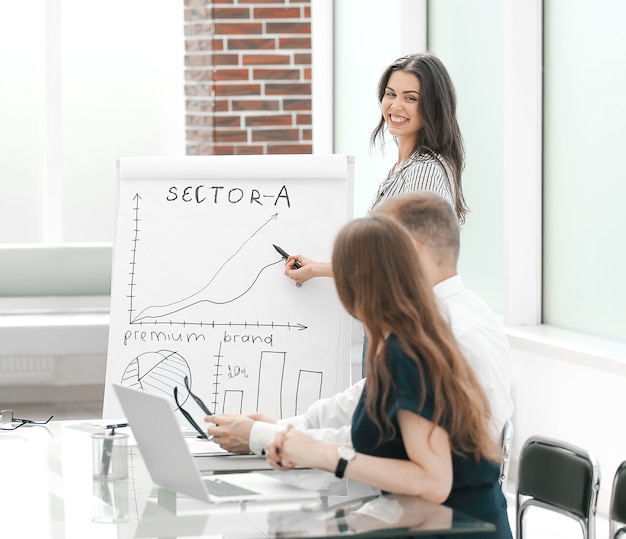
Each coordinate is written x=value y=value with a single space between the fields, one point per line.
x=293 y=448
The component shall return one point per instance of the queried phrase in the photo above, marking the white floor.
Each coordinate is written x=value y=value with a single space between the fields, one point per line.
x=540 y=524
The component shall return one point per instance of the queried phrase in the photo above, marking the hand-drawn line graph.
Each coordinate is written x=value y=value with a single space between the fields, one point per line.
x=158 y=372
x=206 y=293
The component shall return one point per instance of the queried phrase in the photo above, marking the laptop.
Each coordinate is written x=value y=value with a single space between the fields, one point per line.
x=171 y=465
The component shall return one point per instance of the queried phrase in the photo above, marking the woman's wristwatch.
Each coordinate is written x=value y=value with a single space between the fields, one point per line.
x=346 y=454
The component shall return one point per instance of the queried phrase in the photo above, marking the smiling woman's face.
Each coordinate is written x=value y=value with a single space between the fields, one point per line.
x=400 y=105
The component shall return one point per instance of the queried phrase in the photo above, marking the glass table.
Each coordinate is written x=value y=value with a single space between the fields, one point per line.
x=47 y=491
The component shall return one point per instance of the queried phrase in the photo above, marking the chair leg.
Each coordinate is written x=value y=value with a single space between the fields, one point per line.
x=519 y=531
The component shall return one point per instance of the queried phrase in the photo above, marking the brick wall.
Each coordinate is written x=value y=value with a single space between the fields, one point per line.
x=248 y=76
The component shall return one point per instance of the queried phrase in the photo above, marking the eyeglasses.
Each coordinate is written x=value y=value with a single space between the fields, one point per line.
x=201 y=433
x=198 y=400
x=9 y=422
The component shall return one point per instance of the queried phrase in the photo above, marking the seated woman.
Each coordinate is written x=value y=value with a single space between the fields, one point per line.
x=421 y=426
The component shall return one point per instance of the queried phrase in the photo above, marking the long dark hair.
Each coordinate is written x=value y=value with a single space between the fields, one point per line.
x=380 y=282
x=441 y=135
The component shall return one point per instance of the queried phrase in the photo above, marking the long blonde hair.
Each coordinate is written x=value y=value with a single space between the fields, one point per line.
x=380 y=281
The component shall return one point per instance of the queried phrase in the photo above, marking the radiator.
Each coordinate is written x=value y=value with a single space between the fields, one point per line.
x=26 y=369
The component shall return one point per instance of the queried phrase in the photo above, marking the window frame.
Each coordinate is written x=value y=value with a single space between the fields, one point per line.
x=523 y=163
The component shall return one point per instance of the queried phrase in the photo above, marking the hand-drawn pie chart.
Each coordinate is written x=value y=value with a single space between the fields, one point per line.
x=159 y=373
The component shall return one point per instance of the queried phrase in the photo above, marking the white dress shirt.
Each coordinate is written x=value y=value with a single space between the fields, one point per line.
x=482 y=341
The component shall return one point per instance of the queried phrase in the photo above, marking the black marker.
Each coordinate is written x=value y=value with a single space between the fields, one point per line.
x=282 y=253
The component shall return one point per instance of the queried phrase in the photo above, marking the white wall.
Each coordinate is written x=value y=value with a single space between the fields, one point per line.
x=573 y=390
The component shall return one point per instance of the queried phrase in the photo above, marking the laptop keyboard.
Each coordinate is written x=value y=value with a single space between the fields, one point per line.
x=222 y=488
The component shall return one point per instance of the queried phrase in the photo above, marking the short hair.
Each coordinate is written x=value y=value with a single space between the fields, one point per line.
x=429 y=218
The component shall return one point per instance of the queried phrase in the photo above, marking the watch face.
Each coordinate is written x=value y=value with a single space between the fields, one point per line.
x=346 y=452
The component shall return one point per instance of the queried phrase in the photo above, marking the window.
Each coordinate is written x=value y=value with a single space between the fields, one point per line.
x=541 y=111
x=584 y=181
x=82 y=84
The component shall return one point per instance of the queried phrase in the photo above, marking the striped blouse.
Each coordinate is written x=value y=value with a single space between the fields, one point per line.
x=421 y=172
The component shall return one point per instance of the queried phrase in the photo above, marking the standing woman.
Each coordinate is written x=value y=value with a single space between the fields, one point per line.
x=421 y=425
x=418 y=108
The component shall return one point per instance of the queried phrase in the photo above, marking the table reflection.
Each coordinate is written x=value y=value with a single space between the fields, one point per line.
x=405 y=515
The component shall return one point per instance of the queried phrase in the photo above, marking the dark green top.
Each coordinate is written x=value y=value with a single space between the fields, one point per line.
x=475 y=488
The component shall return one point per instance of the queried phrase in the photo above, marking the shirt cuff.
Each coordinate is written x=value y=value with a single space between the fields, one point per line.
x=261 y=434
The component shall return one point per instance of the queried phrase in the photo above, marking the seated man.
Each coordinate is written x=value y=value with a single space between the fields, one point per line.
x=435 y=231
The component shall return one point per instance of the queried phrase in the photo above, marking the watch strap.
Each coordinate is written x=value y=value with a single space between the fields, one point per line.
x=341 y=467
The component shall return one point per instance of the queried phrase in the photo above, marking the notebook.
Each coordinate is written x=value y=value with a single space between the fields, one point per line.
x=171 y=464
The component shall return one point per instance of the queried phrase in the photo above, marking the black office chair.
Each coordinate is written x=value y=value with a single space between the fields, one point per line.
x=617 y=509
x=560 y=477
x=506 y=439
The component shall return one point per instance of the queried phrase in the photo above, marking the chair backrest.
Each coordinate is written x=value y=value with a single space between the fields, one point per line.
x=560 y=477
x=617 y=509
x=506 y=439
